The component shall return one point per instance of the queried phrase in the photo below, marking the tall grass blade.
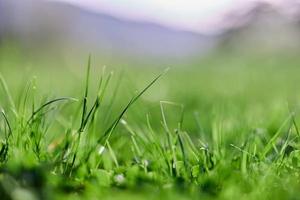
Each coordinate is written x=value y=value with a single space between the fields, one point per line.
x=107 y=134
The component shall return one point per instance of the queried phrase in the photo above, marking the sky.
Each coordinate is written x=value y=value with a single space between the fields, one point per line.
x=189 y=15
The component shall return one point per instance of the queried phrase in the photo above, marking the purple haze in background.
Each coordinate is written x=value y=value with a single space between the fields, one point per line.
x=168 y=31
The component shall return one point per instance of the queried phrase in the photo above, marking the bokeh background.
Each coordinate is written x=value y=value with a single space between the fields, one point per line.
x=224 y=55
x=148 y=33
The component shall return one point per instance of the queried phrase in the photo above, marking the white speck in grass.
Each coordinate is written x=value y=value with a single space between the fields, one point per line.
x=169 y=185
x=20 y=193
x=101 y=150
x=174 y=165
x=146 y=163
x=123 y=122
x=67 y=153
x=119 y=178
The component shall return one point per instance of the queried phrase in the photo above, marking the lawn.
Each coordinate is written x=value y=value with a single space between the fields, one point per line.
x=223 y=128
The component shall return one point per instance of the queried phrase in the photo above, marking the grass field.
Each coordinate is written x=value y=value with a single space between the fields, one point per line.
x=224 y=129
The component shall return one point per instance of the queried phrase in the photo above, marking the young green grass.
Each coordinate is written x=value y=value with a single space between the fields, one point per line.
x=96 y=146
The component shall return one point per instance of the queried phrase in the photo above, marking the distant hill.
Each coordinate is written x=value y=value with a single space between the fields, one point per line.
x=66 y=28
x=263 y=29
x=65 y=31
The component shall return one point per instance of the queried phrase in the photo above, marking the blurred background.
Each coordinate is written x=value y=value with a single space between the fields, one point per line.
x=233 y=61
x=226 y=55
x=148 y=33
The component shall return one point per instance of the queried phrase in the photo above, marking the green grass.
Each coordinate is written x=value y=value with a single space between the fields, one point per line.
x=214 y=131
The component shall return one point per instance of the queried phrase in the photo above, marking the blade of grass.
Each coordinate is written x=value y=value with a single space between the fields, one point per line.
x=84 y=107
x=107 y=134
x=271 y=142
x=8 y=94
x=7 y=123
x=48 y=104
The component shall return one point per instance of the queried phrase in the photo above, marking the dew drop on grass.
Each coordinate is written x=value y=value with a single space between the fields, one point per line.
x=119 y=178
x=101 y=150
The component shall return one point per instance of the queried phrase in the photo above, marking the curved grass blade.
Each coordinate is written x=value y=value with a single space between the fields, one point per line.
x=271 y=142
x=109 y=131
x=48 y=104
x=8 y=94
x=8 y=124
